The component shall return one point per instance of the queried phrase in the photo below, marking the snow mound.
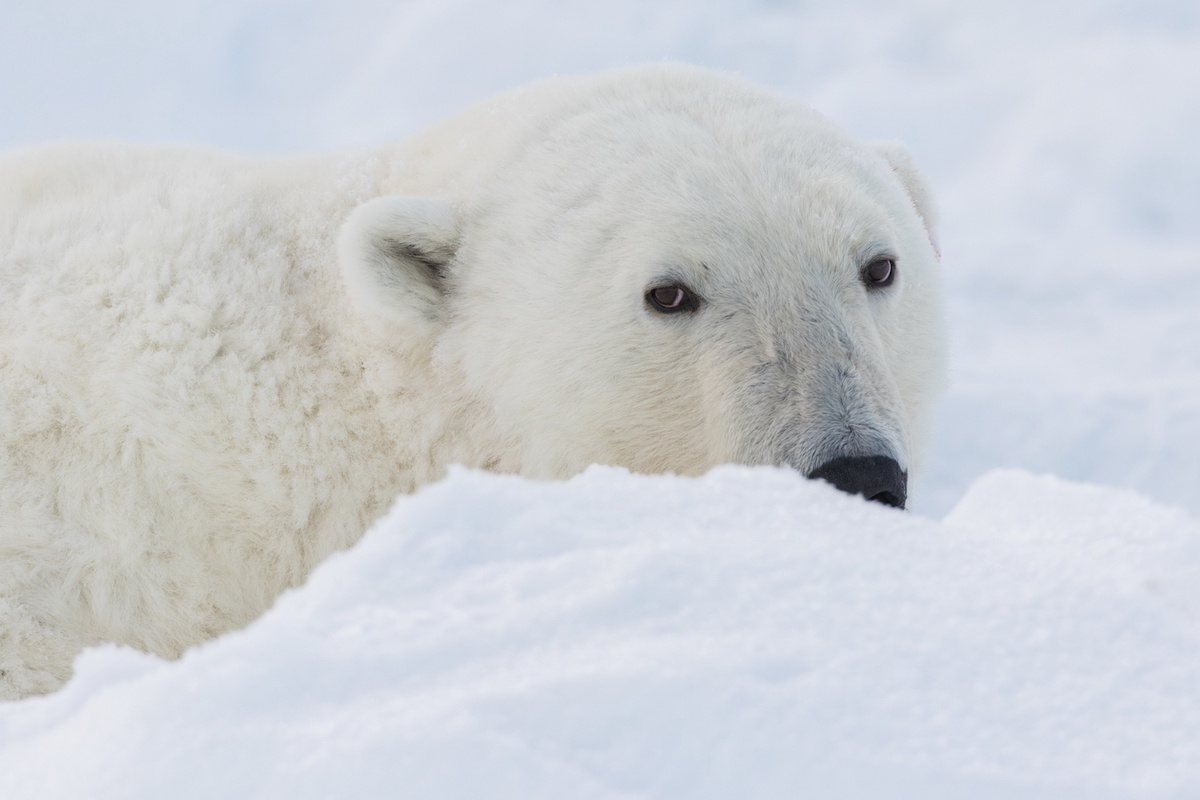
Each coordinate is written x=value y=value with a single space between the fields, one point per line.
x=746 y=634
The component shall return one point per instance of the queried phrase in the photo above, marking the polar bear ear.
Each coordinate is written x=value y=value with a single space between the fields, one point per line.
x=394 y=252
x=915 y=184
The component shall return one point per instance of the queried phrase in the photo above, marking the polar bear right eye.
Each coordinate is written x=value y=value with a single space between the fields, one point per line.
x=672 y=299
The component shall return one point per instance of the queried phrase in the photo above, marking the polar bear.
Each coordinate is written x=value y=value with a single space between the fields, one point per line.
x=217 y=369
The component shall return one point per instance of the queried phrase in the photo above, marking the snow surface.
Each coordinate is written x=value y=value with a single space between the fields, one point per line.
x=746 y=634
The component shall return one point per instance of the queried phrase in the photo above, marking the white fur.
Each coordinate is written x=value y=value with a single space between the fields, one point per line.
x=204 y=391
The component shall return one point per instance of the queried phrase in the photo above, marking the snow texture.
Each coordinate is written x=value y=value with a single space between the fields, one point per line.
x=747 y=634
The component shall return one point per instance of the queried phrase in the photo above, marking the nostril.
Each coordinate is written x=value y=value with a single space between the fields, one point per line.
x=877 y=478
x=888 y=499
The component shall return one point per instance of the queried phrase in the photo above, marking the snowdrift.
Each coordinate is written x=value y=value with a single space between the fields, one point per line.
x=747 y=634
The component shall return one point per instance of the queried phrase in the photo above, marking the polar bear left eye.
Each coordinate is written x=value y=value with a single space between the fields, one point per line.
x=880 y=272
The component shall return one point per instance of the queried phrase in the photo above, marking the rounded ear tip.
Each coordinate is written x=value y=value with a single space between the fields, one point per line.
x=393 y=253
x=914 y=182
x=409 y=217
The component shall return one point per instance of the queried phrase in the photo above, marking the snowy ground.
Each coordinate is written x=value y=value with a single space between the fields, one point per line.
x=747 y=634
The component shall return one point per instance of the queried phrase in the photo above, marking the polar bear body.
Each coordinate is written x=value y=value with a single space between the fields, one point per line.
x=216 y=369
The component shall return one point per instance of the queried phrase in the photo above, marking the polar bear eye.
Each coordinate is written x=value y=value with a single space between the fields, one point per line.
x=880 y=272
x=672 y=299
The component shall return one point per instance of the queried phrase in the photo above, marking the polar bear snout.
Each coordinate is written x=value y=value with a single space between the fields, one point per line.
x=877 y=478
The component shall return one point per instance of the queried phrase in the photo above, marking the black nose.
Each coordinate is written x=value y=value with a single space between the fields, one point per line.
x=877 y=478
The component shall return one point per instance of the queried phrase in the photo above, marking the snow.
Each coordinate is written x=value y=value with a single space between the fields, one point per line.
x=745 y=634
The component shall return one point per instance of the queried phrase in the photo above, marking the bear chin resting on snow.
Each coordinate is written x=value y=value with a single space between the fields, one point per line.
x=217 y=369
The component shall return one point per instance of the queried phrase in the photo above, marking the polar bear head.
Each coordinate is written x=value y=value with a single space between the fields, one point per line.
x=666 y=269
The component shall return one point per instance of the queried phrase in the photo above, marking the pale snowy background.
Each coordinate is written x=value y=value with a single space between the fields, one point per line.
x=747 y=634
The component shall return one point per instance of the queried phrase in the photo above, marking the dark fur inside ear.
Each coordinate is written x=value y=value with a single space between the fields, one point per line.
x=396 y=251
x=394 y=254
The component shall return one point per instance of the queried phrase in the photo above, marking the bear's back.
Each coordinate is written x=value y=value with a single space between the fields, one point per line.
x=174 y=389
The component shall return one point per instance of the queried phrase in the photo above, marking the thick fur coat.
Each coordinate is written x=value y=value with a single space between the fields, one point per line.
x=217 y=369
